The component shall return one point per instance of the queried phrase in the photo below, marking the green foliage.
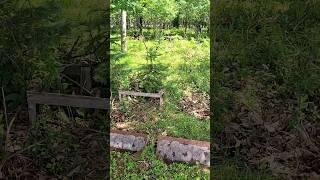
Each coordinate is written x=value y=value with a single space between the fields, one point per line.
x=159 y=10
x=47 y=73
x=25 y=41
x=101 y=74
x=181 y=125
x=152 y=54
x=155 y=13
x=61 y=150
x=194 y=11
x=183 y=64
x=147 y=80
x=36 y=37
x=50 y=143
x=123 y=166
x=153 y=10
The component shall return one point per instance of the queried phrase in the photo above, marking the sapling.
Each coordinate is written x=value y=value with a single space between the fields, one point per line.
x=152 y=52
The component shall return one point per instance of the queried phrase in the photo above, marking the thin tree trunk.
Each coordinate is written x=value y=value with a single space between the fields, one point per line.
x=185 y=29
x=128 y=25
x=140 y=25
x=123 y=31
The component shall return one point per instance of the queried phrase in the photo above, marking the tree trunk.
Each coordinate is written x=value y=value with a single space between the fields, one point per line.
x=128 y=25
x=123 y=31
x=140 y=25
x=185 y=29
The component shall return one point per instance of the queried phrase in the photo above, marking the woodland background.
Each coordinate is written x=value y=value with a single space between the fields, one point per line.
x=265 y=84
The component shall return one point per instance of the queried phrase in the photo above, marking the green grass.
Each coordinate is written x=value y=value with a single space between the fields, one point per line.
x=147 y=166
x=185 y=70
x=185 y=64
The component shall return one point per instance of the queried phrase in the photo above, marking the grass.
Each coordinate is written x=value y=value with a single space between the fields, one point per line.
x=147 y=166
x=184 y=69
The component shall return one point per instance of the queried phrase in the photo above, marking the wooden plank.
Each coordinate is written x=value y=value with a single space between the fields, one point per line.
x=32 y=109
x=161 y=103
x=67 y=100
x=131 y=93
x=153 y=95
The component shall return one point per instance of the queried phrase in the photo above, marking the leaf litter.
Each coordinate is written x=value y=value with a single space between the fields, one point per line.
x=259 y=131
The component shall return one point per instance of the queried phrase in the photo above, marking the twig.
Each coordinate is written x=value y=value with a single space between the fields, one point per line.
x=72 y=48
x=93 y=130
x=4 y=106
x=9 y=127
x=143 y=40
x=18 y=152
x=90 y=52
x=75 y=82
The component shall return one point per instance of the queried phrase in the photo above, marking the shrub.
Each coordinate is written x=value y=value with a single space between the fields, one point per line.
x=146 y=80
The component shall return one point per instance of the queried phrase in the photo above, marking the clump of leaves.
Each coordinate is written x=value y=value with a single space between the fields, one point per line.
x=28 y=32
x=56 y=144
x=152 y=53
x=47 y=73
x=146 y=81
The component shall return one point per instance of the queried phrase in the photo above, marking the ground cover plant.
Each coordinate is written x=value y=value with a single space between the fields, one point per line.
x=172 y=68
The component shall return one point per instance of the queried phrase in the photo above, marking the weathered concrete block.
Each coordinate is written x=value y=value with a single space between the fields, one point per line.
x=183 y=150
x=130 y=141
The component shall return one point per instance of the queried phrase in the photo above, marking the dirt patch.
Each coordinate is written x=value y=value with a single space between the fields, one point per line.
x=196 y=104
x=115 y=113
x=131 y=108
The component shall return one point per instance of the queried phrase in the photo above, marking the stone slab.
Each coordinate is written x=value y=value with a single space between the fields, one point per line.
x=127 y=141
x=183 y=150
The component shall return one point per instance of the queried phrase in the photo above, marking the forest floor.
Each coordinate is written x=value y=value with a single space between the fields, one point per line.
x=55 y=146
x=185 y=80
x=184 y=72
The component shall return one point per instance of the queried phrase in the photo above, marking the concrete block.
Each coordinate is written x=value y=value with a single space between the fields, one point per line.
x=128 y=141
x=183 y=150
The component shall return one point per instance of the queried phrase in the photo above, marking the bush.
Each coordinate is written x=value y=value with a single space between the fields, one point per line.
x=146 y=80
